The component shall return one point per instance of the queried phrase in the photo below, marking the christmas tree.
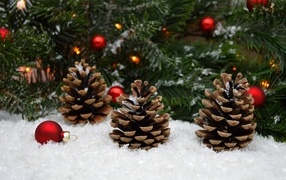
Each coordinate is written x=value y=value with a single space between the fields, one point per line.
x=180 y=46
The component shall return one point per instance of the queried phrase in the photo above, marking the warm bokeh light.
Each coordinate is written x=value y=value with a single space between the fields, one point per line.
x=233 y=68
x=21 y=5
x=273 y=64
x=27 y=69
x=165 y=31
x=265 y=84
x=118 y=26
x=135 y=59
x=76 y=50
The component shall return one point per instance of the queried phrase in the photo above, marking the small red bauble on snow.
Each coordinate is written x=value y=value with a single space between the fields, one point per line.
x=114 y=92
x=207 y=24
x=98 y=42
x=50 y=131
x=258 y=95
x=3 y=33
x=251 y=3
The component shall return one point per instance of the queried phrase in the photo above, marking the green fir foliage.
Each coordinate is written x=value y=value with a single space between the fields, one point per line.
x=175 y=55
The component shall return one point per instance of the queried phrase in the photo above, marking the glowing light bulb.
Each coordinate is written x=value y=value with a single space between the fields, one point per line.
x=265 y=84
x=234 y=68
x=21 y=5
x=165 y=31
x=76 y=50
x=118 y=26
x=27 y=69
x=135 y=59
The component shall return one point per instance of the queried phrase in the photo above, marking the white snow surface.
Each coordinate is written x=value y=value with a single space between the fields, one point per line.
x=95 y=156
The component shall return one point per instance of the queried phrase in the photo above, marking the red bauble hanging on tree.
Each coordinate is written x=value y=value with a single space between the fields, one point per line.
x=98 y=42
x=252 y=3
x=3 y=33
x=258 y=95
x=50 y=131
x=207 y=24
x=115 y=91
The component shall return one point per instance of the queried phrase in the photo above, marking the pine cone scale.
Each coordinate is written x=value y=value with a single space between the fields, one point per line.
x=140 y=138
x=129 y=133
x=125 y=139
x=138 y=118
x=146 y=128
x=148 y=141
x=89 y=101
x=156 y=132
x=135 y=145
x=232 y=122
x=215 y=141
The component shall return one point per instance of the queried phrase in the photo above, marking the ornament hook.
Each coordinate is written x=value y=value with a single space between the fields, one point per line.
x=67 y=136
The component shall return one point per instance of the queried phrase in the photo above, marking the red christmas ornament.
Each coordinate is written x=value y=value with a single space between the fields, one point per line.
x=258 y=95
x=50 y=131
x=98 y=42
x=207 y=24
x=3 y=33
x=251 y=3
x=115 y=92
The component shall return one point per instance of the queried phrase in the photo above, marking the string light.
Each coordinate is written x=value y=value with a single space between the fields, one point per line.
x=265 y=84
x=48 y=70
x=76 y=50
x=135 y=59
x=165 y=31
x=21 y=5
x=233 y=68
x=273 y=64
x=118 y=26
x=27 y=69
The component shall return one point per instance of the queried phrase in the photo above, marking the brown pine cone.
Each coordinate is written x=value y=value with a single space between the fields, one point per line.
x=138 y=123
x=227 y=116
x=84 y=98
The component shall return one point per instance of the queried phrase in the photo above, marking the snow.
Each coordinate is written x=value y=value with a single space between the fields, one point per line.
x=93 y=155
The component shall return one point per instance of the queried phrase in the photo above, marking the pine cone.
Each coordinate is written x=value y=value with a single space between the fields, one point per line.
x=137 y=123
x=227 y=118
x=84 y=98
